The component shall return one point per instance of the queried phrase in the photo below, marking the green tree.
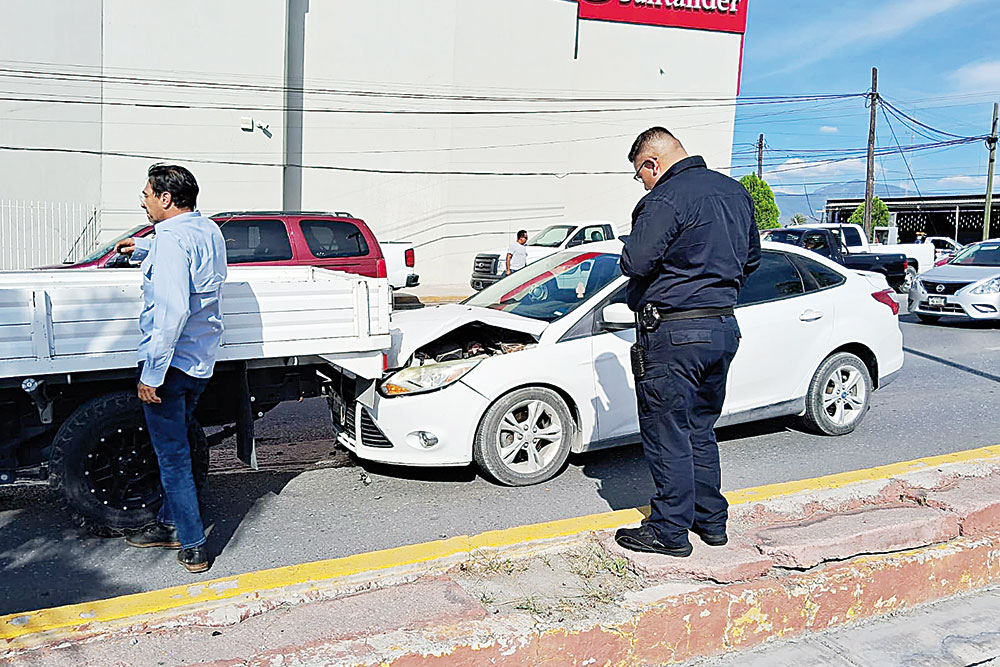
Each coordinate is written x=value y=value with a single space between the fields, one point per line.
x=765 y=210
x=880 y=216
x=799 y=219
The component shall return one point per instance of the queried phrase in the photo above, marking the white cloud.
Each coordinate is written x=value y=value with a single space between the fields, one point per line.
x=863 y=27
x=797 y=170
x=962 y=181
x=829 y=129
x=981 y=77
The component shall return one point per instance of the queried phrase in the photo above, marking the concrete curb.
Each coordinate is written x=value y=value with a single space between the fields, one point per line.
x=789 y=576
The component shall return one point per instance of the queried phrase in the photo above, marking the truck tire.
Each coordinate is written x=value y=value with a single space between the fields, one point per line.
x=525 y=437
x=104 y=468
x=839 y=395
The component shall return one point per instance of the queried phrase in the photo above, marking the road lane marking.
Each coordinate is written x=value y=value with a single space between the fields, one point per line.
x=113 y=612
x=953 y=364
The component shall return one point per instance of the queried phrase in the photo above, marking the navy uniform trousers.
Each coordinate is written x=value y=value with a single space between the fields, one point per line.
x=680 y=399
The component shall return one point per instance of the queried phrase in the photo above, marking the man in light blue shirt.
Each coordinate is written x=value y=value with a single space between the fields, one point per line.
x=183 y=269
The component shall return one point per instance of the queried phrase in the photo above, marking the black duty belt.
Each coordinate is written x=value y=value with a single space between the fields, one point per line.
x=693 y=313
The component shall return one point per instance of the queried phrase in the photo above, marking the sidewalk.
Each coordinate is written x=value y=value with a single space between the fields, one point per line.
x=804 y=557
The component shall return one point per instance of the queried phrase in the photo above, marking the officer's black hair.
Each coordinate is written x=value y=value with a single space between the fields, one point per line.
x=646 y=137
x=522 y=234
x=176 y=180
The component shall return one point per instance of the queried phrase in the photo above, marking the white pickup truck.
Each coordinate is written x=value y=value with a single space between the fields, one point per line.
x=919 y=256
x=488 y=268
x=69 y=413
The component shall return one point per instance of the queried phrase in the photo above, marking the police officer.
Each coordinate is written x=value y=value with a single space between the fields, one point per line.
x=692 y=245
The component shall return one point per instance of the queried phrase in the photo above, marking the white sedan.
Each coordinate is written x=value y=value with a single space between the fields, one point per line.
x=537 y=366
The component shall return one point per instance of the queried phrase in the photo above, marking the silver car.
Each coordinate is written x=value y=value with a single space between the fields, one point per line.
x=967 y=286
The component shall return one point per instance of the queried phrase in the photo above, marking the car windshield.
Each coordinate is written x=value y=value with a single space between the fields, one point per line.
x=551 y=237
x=552 y=287
x=109 y=246
x=981 y=254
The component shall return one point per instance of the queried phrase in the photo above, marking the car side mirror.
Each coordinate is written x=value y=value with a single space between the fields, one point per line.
x=617 y=317
x=574 y=243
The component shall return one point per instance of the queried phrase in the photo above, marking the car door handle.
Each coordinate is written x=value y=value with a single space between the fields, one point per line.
x=810 y=315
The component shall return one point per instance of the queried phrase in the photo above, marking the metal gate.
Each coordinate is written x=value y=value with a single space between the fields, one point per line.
x=36 y=233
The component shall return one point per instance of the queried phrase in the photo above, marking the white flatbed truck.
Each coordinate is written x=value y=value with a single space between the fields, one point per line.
x=69 y=414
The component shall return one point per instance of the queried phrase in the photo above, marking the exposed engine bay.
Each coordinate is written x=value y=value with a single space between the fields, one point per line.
x=470 y=341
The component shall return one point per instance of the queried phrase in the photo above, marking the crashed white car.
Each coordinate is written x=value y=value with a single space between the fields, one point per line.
x=537 y=366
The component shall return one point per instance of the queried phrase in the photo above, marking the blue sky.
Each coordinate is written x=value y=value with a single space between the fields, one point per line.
x=938 y=60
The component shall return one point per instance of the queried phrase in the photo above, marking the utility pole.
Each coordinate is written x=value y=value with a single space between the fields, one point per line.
x=760 y=157
x=992 y=143
x=870 y=180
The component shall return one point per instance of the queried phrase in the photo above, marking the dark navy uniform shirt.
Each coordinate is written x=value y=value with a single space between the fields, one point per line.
x=693 y=240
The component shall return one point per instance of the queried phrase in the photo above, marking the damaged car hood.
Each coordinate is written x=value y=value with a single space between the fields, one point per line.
x=412 y=329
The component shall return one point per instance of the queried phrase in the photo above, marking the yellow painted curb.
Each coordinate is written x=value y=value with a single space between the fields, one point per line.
x=66 y=620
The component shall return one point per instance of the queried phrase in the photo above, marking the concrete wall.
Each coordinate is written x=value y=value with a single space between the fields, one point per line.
x=518 y=48
x=66 y=37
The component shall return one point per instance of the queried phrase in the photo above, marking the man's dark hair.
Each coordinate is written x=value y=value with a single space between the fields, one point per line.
x=176 y=180
x=646 y=137
x=522 y=234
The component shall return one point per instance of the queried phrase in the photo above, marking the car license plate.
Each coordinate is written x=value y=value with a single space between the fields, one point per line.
x=936 y=301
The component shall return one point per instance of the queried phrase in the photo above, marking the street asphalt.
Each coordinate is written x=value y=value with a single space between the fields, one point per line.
x=945 y=400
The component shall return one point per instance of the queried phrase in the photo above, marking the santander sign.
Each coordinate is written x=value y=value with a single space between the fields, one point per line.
x=714 y=15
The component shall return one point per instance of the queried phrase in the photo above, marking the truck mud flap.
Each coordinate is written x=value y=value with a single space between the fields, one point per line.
x=246 y=443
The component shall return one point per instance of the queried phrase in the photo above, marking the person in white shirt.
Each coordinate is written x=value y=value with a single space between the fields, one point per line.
x=517 y=254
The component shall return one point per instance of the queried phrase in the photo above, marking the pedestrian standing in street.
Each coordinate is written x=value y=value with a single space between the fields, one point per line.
x=693 y=244
x=183 y=269
x=517 y=254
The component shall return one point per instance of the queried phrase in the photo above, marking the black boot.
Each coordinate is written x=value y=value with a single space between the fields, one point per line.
x=194 y=559
x=154 y=535
x=643 y=539
x=712 y=539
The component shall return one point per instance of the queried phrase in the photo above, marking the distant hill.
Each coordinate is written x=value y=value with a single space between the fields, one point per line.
x=811 y=202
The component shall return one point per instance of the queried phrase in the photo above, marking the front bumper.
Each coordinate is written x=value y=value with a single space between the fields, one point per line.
x=480 y=282
x=387 y=431
x=960 y=304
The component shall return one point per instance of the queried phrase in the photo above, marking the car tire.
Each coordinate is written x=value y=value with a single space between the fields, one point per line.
x=839 y=395
x=510 y=447
x=904 y=287
x=87 y=448
x=928 y=319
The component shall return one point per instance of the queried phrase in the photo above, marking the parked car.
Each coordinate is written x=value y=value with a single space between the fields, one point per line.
x=824 y=241
x=919 y=256
x=336 y=241
x=537 y=365
x=488 y=268
x=968 y=286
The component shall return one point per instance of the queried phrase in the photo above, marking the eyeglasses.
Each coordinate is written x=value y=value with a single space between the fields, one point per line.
x=638 y=171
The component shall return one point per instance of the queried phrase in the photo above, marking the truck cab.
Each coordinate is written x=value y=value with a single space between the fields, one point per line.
x=488 y=268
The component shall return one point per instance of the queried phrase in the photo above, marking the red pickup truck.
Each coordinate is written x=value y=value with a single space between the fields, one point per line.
x=337 y=241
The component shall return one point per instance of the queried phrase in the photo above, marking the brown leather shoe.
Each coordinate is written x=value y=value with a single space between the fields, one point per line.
x=154 y=535
x=194 y=559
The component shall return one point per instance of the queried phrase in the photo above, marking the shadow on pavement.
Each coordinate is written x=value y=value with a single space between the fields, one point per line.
x=47 y=560
x=623 y=476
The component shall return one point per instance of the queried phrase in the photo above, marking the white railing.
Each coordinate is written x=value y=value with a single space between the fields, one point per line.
x=41 y=233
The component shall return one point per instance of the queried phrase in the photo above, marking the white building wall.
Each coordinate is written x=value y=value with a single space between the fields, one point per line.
x=518 y=48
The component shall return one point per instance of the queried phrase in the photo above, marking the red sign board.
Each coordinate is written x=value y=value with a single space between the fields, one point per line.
x=714 y=15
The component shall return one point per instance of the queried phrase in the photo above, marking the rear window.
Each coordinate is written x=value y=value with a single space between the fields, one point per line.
x=822 y=276
x=774 y=279
x=334 y=238
x=256 y=241
x=791 y=236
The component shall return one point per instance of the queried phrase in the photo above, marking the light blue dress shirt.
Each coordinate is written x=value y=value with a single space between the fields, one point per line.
x=183 y=268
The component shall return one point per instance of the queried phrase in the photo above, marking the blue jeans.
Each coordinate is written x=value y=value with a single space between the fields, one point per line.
x=680 y=399
x=168 y=423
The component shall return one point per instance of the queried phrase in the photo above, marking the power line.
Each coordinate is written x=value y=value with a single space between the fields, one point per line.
x=901 y=154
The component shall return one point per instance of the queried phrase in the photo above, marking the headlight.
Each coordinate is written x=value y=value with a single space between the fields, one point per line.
x=991 y=286
x=418 y=379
